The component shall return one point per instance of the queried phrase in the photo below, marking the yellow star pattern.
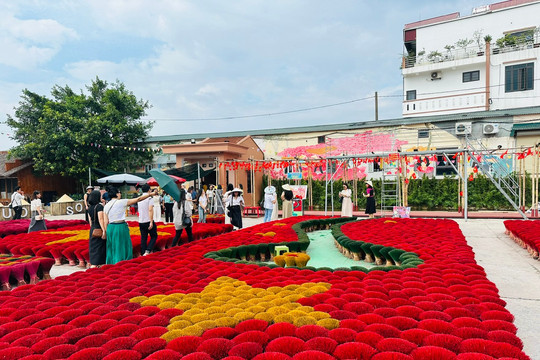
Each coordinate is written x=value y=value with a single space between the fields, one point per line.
x=77 y=235
x=225 y=302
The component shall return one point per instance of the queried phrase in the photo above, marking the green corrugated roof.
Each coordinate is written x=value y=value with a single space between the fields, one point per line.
x=524 y=127
x=354 y=125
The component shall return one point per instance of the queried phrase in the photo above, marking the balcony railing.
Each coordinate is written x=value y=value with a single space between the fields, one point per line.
x=457 y=54
x=446 y=103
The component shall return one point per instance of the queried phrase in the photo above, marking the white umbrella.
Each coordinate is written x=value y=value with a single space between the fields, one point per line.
x=127 y=179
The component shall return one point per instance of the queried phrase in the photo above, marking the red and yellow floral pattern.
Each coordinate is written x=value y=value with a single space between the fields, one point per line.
x=176 y=304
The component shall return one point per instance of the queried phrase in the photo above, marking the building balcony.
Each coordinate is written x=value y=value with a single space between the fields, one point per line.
x=454 y=58
x=447 y=104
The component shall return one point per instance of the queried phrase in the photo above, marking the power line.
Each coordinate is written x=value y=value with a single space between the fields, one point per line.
x=266 y=114
x=403 y=96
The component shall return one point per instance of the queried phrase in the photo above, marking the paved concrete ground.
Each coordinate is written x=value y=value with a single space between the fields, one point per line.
x=510 y=267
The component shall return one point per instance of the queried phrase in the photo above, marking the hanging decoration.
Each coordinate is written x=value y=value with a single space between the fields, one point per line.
x=127 y=148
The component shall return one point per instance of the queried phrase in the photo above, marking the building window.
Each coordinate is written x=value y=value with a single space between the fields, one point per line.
x=7 y=187
x=248 y=176
x=443 y=166
x=423 y=133
x=471 y=76
x=411 y=94
x=321 y=139
x=376 y=165
x=519 y=77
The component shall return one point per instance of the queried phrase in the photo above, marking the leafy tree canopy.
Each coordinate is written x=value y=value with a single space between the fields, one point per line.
x=57 y=132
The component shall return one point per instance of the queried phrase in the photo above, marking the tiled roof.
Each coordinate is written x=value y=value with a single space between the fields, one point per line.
x=524 y=127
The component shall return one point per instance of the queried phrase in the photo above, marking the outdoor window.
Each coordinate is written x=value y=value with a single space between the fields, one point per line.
x=471 y=76
x=248 y=176
x=7 y=187
x=411 y=94
x=443 y=166
x=321 y=139
x=519 y=77
x=423 y=133
x=376 y=164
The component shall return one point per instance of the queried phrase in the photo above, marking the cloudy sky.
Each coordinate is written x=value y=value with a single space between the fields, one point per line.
x=200 y=60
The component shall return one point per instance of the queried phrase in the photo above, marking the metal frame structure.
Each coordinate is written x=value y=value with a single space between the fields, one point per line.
x=330 y=178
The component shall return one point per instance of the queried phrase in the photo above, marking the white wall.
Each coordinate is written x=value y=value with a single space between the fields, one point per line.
x=450 y=94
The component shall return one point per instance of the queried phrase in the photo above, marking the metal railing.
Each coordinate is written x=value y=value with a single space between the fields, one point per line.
x=461 y=53
x=497 y=171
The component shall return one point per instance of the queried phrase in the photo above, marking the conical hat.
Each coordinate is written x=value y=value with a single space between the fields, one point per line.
x=64 y=199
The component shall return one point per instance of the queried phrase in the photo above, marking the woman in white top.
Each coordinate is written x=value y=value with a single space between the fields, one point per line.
x=119 y=245
x=157 y=207
x=38 y=221
x=210 y=196
x=270 y=198
x=183 y=210
x=203 y=205
x=230 y=188
x=346 y=201
x=235 y=202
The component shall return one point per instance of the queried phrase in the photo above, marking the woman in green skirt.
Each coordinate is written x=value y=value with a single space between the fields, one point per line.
x=119 y=245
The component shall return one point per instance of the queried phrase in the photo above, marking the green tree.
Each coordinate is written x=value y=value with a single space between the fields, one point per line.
x=58 y=133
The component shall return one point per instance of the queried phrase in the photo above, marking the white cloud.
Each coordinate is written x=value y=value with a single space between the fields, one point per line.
x=28 y=43
x=213 y=58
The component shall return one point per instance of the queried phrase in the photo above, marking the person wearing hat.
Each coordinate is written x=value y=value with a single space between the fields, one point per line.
x=235 y=202
x=370 y=200
x=286 y=197
x=346 y=201
x=270 y=199
x=89 y=189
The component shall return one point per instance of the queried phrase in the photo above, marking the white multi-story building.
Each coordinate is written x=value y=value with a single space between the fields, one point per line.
x=484 y=61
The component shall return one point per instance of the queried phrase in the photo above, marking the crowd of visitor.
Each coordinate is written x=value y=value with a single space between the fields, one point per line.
x=110 y=240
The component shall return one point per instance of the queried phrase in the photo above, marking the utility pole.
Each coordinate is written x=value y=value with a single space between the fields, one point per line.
x=376 y=106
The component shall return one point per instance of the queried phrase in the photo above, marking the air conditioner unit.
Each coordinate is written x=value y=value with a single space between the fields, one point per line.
x=436 y=75
x=463 y=128
x=489 y=129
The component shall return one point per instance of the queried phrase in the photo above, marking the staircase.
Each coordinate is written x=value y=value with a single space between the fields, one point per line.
x=390 y=189
x=496 y=171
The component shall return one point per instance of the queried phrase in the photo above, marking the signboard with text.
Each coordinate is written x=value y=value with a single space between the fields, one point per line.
x=294 y=176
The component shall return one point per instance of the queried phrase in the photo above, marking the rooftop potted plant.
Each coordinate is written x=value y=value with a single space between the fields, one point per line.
x=463 y=44
x=477 y=35
x=434 y=56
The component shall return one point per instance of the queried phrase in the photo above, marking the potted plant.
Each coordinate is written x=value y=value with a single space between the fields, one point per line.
x=487 y=39
x=463 y=44
x=420 y=57
x=449 y=49
x=434 y=56
x=477 y=35
x=537 y=37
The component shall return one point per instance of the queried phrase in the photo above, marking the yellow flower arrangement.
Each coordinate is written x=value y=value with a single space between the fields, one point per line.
x=292 y=259
x=203 y=311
